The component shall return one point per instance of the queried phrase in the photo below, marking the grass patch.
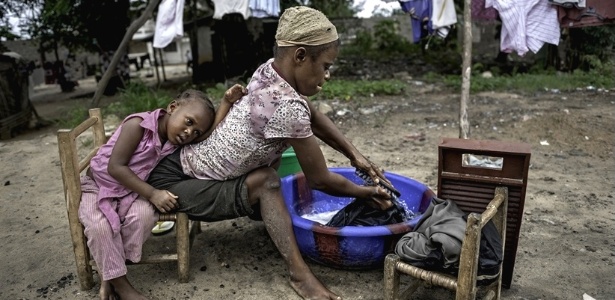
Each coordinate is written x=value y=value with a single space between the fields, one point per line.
x=73 y=117
x=138 y=97
x=338 y=89
x=528 y=82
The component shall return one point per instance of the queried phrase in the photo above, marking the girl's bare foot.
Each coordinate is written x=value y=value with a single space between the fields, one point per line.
x=309 y=287
x=107 y=292
x=125 y=290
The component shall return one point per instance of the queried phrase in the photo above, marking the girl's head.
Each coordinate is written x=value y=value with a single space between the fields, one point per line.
x=189 y=116
x=306 y=46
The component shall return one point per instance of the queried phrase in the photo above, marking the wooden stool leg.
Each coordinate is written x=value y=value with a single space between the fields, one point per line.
x=194 y=228
x=198 y=227
x=84 y=269
x=183 y=247
x=391 y=277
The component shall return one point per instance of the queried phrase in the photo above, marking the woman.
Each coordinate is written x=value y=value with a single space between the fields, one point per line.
x=233 y=173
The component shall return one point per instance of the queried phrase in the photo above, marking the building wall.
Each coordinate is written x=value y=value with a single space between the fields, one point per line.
x=28 y=49
x=348 y=28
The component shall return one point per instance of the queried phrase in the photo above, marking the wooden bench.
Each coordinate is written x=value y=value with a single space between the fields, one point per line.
x=73 y=166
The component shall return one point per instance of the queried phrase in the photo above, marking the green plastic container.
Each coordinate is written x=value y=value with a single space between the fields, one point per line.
x=290 y=164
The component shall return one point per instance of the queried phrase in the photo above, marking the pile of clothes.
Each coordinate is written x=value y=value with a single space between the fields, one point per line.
x=435 y=243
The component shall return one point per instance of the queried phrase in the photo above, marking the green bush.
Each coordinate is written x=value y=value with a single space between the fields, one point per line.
x=381 y=44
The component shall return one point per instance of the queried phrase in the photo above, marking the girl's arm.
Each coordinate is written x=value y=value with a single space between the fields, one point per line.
x=230 y=96
x=121 y=154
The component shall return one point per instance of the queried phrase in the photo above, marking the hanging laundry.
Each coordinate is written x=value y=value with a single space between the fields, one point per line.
x=526 y=24
x=595 y=13
x=430 y=17
x=265 y=8
x=223 y=7
x=443 y=16
x=482 y=13
x=420 y=16
x=568 y=3
x=169 y=22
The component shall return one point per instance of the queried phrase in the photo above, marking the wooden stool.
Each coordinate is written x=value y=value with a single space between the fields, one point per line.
x=72 y=168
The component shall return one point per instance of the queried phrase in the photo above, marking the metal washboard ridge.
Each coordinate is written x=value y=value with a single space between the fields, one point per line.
x=472 y=187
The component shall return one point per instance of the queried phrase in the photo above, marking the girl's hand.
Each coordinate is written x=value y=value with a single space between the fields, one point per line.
x=164 y=201
x=235 y=93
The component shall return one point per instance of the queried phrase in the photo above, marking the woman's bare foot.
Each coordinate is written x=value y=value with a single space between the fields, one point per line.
x=125 y=290
x=310 y=288
x=107 y=292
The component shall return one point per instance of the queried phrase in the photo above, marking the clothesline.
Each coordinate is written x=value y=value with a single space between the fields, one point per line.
x=526 y=24
x=170 y=24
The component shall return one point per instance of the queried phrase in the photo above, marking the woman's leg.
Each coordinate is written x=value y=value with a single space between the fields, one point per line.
x=264 y=188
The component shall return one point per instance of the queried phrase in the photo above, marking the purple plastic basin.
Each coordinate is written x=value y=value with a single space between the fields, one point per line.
x=348 y=247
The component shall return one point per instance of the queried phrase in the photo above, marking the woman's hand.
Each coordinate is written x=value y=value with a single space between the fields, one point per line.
x=164 y=200
x=375 y=172
x=379 y=198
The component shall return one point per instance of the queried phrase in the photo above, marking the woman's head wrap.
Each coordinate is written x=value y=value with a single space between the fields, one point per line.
x=301 y=25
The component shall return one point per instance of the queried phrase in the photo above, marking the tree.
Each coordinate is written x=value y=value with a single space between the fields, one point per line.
x=589 y=47
x=147 y=13
x=94 y=26
x=25 y=9
x=334 y=8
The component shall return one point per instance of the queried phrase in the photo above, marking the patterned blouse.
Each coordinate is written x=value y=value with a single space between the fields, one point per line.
x=254 y=132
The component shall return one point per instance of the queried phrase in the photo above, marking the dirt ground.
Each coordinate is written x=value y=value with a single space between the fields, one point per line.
x=566 y=246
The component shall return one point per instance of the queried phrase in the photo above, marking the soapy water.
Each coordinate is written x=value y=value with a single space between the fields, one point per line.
x=407 y=214
x=326 y=216
x=322 y=217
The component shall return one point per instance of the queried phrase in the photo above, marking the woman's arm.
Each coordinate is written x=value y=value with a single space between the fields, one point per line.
x=319 y=177
x=326 y=130
x=122 y=152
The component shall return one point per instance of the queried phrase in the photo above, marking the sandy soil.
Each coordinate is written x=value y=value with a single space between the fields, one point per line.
x=566 y=246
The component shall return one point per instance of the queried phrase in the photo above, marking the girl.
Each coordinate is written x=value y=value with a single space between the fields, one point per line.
x=118 y=208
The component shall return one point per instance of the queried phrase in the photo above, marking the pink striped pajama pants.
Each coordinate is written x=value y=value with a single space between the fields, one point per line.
x=110 y=251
